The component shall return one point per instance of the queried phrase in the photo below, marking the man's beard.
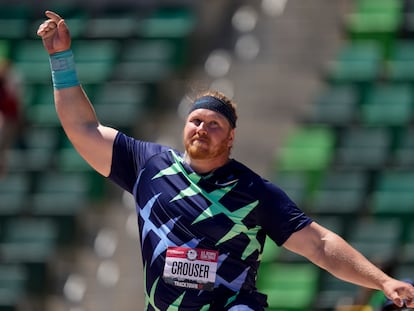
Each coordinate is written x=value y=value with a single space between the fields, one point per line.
x=203 y=151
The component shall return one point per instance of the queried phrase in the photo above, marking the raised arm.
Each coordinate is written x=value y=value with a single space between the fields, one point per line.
x=332 y=253
x=90 y=138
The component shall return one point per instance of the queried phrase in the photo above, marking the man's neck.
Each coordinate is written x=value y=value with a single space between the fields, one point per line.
x=204 y=166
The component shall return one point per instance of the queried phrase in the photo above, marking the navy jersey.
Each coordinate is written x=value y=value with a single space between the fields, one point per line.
x=201 y=235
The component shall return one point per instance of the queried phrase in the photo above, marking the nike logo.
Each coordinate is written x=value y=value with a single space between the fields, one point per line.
x=227 y=183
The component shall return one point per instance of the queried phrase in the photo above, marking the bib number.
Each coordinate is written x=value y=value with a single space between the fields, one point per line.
x=191 y=268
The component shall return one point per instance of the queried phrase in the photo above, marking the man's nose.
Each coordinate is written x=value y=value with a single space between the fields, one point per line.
x=202 y=127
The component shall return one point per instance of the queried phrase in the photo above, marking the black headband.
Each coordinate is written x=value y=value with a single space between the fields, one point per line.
x=217 y=105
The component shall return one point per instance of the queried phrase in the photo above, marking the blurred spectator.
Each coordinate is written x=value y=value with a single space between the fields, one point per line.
x=10 y=111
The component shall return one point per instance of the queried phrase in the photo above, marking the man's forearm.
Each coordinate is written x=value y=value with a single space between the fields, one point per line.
x=74 y=109
x=345 y=262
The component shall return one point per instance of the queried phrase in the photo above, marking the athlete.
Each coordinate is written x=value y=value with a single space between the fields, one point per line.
x=202 y=216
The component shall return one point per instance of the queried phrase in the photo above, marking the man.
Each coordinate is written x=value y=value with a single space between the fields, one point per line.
x=202 y=216
x=10 y=119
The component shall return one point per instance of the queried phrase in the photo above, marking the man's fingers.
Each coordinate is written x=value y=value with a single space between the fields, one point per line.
x=398 y=302
x=404 y=297
x=46 y=27
x=61 y=25
x=53 y=16
x=409 y=297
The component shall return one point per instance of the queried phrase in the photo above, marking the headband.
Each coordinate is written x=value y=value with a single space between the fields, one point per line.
x=217 y=105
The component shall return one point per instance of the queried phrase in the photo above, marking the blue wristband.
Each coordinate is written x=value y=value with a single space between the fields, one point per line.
x=63 y=69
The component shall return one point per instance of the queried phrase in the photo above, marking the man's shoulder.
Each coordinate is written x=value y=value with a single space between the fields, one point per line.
x=125 y=141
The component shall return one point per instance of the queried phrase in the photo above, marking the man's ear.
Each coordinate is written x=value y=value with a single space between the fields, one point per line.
x=231 y=138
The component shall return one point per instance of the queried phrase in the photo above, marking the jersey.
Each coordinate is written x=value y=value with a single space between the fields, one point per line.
x=201 y=235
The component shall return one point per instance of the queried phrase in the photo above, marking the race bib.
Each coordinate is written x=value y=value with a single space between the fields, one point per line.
x=191 y=267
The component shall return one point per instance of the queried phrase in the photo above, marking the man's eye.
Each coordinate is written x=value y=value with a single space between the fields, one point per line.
x=196 y=122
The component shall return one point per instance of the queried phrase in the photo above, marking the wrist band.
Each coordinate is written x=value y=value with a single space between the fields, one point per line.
x=63 y=69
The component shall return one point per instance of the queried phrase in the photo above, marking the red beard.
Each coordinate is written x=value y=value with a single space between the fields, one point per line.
x=200 y=148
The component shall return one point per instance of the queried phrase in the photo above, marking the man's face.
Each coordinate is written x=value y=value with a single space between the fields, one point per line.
x=207 y=135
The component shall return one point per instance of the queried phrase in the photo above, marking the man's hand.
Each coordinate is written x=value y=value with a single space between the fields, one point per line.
x=400 y=293
x=54 y=33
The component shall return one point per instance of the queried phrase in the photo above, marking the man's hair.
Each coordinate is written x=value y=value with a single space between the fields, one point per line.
x=223 y=98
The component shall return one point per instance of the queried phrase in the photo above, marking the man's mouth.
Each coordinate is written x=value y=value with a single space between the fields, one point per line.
x=198 y=139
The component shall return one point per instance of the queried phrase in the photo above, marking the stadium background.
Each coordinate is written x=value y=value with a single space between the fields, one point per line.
x=324 y=90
